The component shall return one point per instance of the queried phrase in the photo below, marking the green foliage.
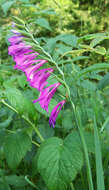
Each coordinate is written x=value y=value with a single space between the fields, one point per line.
x=43 y=22
x=104 y=82
x=15 y=147
x=74 y=137
x=16 y=181
x=75 y=34
x=58 y=160
x=21 y=103
x=99 y=167
x=6 y=6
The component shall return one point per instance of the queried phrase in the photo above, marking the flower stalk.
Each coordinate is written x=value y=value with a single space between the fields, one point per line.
x=25 y=57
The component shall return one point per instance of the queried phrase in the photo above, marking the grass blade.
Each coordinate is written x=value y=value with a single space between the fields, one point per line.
x=98 y=156
x=89 y=173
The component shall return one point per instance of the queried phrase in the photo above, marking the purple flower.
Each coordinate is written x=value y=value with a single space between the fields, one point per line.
x=46 y=95
x=24 y=65
x=15 y=39
x=55 y=112
x=18 y=49
x=22 y=61
x=40 y=77
x=31 y=70
x=25 y=58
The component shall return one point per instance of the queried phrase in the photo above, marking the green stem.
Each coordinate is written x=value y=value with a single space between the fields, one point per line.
x=34 y=127
x=9 y=131
x=89 y=174
x=10 y=107
x=72 y=186
x=104 y=125
x=36 y=143
x=78 y=122
x=32 y=184
x=25 y=118
x=46 y=53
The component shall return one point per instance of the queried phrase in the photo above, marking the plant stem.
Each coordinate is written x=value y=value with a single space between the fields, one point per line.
x=29 y=182
x=104 y=124
x=72 y=186
x=33 y=126
x=36 y=143
x=98 y=157
x=25 y=118
x=10 y=107
x=46 y=53
x=89 y=174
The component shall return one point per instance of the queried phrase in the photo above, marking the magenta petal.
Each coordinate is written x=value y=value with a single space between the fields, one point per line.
x=46 y=95
x=24 y=59
x=55 y=112
x=24 y=65
x=15 y=39
x=18 y=49
x=39 y=79
x=30 y=71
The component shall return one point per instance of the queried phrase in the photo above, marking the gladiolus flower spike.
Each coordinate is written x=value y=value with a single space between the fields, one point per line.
x=25 y=59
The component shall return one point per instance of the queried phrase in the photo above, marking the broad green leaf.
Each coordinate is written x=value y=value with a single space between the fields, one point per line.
x=4 y=186
x=6 y=117
x=16 y=99
x=76 y=140
x=68 y=39
x=6 y=123
x=10 y=83
x=15 y=147
x=67 y=122
x=16 y=181
x=22 y=81
x=45 y=131
x=20 y=102
x=50 y=45
x=6 y=6
x=43 y=23
x=58 y=162
x=63 y=48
